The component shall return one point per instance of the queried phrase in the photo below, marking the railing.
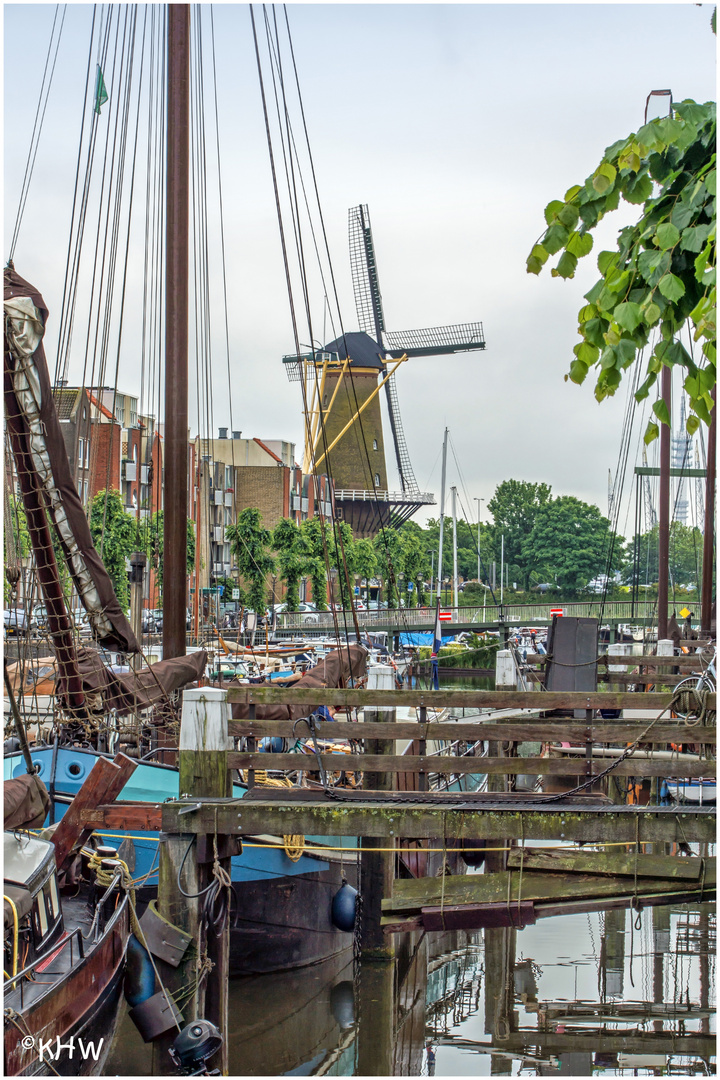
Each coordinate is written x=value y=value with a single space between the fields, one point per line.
x=425 y=498
x=512 y=730
x=514 y=614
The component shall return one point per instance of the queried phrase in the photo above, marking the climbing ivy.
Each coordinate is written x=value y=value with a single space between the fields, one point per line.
x=662 y=274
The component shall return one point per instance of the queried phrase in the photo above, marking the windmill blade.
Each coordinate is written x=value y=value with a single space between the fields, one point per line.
x=363 y=268
x=408 y=482
x=435 y=340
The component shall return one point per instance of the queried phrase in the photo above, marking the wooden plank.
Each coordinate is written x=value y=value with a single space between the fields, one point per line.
x=613 y=863
x=495 y=766
x=439 y=699
x=104 y=783
x=125 y=817
x=692 y=663
x=413 y=894
x=478 y=916
x=452 y=818
x=546 y=730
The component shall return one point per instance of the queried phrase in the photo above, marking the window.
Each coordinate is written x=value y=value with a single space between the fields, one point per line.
x=81 y=452
x=377 y=479
x=87 y=454
x=375 y=445
x=324 y=401
x=133 y=412
x=120 y=413
x=229 y=476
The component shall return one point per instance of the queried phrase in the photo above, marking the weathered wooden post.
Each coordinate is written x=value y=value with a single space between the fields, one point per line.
x=377 y=867
x=500 y=1019
x=203 y=774
x=505 y=670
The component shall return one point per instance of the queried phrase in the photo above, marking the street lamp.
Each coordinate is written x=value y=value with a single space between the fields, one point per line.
x=235 y=574
x=478 y=501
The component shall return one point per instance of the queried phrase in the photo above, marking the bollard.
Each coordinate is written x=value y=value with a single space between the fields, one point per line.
x=203 y=774
x=377 y=869
x=505 y=671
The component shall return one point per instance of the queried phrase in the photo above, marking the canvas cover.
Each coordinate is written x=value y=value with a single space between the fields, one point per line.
x=131 y=691
x=26 y=802
x=33 y=422
x=336 y=669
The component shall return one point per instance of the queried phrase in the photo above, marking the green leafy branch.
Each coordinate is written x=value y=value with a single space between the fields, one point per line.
x=662 y=274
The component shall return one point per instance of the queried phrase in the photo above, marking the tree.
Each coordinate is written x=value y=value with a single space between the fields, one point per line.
x=315 y=566
x=515 y=507
x=366 y=561
x=662 y=274
x=16 y=543
x=415 y=567
x=249 y=542
x=150 y=539
x=685 y=561
x=570 y=543
x=114 y=534
x=389 y=549
x=287 y=541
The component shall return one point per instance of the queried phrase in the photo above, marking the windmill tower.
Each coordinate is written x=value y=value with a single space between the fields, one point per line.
x=344 y=429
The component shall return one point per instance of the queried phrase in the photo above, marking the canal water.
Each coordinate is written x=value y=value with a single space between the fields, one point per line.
x=612 y=994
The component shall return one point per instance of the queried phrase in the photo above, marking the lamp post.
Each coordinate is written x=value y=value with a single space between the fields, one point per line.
x=235 y=574
x=478 y=501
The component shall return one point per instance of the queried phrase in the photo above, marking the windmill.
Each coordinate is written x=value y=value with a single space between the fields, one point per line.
x=343 y=382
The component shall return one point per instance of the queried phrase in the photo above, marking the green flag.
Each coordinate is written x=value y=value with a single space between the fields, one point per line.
x=101 y=95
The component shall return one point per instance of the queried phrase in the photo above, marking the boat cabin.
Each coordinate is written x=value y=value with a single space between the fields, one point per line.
x=33 y=916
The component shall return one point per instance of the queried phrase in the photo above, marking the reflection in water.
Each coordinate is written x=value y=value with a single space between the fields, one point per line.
x=603 y=994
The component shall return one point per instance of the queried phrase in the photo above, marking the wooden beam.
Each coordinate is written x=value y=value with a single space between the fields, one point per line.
x=613 y=863
x=545 y=730
x=440 y=699
x=401 y=818
x=495 y=766
x=105 y=781
x=125 y=817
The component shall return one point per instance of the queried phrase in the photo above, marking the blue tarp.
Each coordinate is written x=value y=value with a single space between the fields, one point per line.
x=424 y=637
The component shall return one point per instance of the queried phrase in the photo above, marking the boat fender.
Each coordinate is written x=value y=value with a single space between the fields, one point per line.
x=139 y=973
x=344 y=907
x=342 y=1004
x=473 y=852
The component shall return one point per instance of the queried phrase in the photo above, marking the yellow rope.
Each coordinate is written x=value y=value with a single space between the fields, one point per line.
x=294 y=843
x=105 y=875
x=16 y=932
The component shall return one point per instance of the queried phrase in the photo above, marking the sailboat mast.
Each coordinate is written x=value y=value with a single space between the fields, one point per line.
x=708 y=537
x=176 y=332
x=664 y=510
x=442 y=513
x=453 y=492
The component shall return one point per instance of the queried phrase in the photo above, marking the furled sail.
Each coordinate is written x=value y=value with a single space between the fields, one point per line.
x=38 y=443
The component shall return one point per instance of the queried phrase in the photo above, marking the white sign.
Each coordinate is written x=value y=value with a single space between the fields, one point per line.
x=236 y=594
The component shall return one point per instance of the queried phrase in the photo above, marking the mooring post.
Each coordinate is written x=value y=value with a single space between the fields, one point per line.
x=187 y=868
x=377 y=867
x=505 y=671
x=500 y=948
x=377 y=1010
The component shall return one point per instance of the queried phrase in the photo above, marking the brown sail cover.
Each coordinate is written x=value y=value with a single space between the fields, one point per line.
x=130 y=691
x=121 y=635
x=26 y=802
x=336 y=669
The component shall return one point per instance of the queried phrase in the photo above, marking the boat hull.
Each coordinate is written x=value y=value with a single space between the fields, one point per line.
x=83 y=1006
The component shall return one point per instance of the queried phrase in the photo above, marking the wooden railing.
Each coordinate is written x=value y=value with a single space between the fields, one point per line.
x=508 y=730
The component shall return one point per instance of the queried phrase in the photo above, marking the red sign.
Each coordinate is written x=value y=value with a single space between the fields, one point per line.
x=556 y=611
x=446 y=616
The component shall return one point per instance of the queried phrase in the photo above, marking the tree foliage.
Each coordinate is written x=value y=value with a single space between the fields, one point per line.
x=287 y=541
x=662 y=274
x=114 y=534
x=570 y=543
x=685 y=556
x=250 y=544
x=515 y=506
x=150 y=539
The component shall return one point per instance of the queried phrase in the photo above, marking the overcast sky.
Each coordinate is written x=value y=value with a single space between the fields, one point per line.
x=456 y=124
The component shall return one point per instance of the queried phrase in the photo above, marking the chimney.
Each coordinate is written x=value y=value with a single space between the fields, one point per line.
x=222 y=433
x=236 y=434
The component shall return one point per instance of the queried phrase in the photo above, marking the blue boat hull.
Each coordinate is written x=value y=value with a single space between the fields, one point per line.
x=283 y=907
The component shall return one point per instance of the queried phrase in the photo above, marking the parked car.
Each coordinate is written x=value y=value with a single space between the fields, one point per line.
x=376 y=605
x=18 y=623
x=305 y=608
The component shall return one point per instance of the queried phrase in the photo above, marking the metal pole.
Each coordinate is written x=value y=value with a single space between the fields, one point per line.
x=502 y=566
x=176 y=333
x=478 y=501
x=442 y=511
x=664 y=516
x=709 y=534
x=453 y=492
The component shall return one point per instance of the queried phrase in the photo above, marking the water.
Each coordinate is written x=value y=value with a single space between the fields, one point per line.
x=493 y=1002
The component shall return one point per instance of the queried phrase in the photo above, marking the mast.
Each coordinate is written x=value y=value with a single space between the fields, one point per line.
x=442 y=512
x=453 y=492
x=176 y=333
x=708 y=536
x=664 y=507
